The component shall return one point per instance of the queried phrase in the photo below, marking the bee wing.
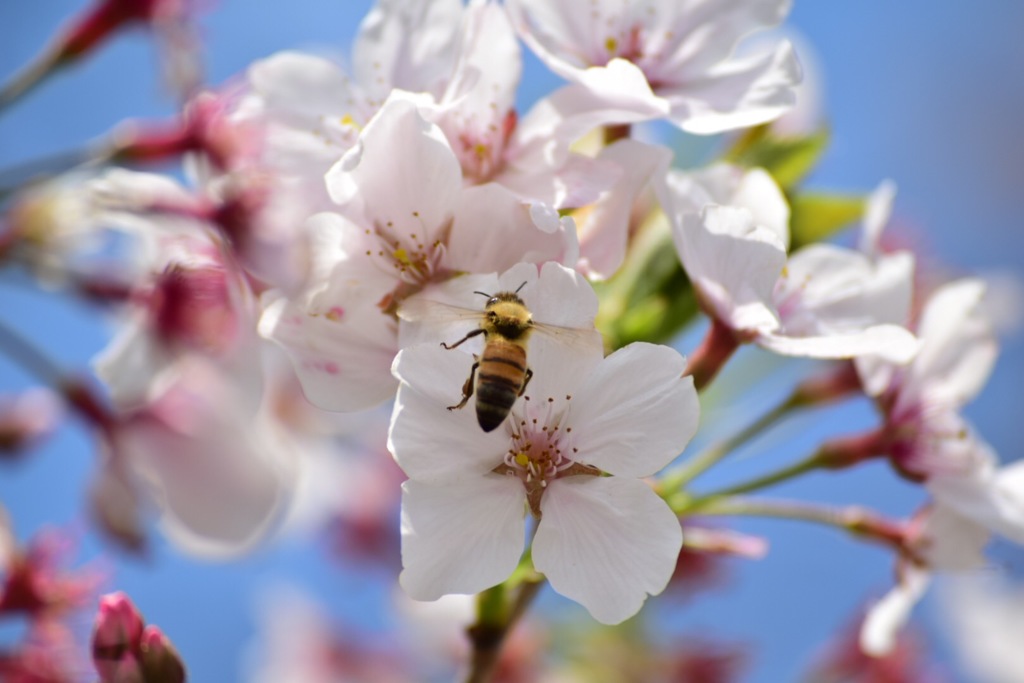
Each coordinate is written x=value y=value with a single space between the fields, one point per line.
x=572 y=337
x=418 y=310
x=426 y=321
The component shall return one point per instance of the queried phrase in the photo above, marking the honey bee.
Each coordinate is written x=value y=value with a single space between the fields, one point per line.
x=500 y=374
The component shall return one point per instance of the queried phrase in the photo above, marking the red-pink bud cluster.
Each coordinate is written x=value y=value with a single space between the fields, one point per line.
x=125 y=650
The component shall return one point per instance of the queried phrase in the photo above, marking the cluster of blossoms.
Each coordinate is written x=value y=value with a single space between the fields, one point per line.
x=363 y=221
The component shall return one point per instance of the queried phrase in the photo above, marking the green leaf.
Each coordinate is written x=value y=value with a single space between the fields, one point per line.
x=650 y=298
x=789 y=160
x=816 y=216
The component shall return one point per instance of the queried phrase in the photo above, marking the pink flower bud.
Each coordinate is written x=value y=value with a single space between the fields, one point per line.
x=160 y=661
x=116 y=639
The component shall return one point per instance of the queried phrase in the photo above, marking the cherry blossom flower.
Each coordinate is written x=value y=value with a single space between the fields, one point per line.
x=189 y=303
x=967 y=509
x=218 y=473
x=312 y=112
x=921 y=400
x=939 y=539
x=405 y=222
x=682 y=51
x=605 y=542
x=822 y=302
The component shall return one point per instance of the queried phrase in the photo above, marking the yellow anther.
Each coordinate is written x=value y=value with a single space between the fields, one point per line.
x=402 y=256
x=611 y=44
x=522 y=459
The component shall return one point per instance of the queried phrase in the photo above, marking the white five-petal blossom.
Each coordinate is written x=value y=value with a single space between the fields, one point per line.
x=822 y=302
x=681 y=50
x=606 y=542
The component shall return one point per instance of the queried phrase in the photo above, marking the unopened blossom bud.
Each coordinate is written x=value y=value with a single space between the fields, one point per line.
x=191 y=305
x=160 y=660
x=124 y=650
x=116 y=638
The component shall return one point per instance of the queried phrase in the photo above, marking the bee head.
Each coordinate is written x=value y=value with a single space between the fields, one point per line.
x=510 y=297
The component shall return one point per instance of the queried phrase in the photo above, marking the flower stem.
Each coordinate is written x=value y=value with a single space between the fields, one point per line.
x=854 y=519
x=77 y=393
x=495 y=620
x=675 y=481
x=15 y=177
x=30 y=357
x=31 y=75
x=836 y=454
x=815 y=461
x=712 y=354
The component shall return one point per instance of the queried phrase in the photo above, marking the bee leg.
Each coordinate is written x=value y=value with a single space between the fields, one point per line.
x=529 y=376
x=467 y=388
x=474 y=333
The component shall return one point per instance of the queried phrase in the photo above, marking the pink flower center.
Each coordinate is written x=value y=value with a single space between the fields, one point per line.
x=541 y=449
x=414 y=257
x=193 y=306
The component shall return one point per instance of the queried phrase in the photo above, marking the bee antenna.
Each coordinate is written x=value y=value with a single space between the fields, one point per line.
x=483 y=294
x=520 y=286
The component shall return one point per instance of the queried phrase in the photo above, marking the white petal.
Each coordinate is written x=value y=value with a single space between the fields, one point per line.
x=221 y=478
x=734 y=264
x=302 y=87
x=758 y=192
x=460 y=537
x=877 y=210
x=958 y=347
x=401 y=176
x=741 y=95
x=988 y=496
x=560 y=297
x=636 y=412
x=752 y=189
x=481 y=91
x=954 y=542
x=606 y=543
x=708 y=33
x=430 y=442
x=493 y=229
x=830 y=289
x=408 y=44
x=891 y=342
x=543 y=136
x=604 y=232
x=887 y=616
x=131 y=364
x=341 y=349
